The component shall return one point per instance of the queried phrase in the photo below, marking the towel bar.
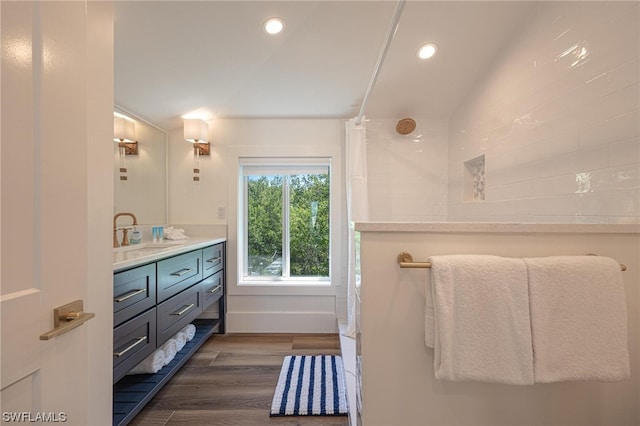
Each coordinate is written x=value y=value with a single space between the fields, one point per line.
x=405 y=260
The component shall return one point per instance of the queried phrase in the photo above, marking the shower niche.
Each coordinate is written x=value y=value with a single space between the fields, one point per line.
x=473 y=179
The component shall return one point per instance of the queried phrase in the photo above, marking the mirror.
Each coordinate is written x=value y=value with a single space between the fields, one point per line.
x=143 y=193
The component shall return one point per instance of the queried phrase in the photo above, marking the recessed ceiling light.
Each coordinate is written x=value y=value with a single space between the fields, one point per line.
x=273 y=25
x=426 y=51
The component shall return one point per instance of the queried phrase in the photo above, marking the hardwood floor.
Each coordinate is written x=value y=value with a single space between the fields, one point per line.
x=231 y=380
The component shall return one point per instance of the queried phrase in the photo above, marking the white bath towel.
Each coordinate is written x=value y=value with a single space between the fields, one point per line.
x=429 y=319
x=189 y=330
x=170 y=349
x=181 y=340
x=578 y=319
x=171 y=233
x=482 y=328
x=151 y=364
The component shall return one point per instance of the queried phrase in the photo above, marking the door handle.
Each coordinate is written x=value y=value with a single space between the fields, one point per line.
x=66 y=318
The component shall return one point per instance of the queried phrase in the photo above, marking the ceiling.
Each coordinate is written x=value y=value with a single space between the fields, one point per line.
x=213 y=57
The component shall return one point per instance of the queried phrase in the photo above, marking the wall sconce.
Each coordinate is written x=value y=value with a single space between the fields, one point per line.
x=124 y=133
x=196 y=131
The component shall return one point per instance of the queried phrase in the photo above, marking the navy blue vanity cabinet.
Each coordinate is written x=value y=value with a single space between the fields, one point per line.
x=212 y=288
x=152 y=302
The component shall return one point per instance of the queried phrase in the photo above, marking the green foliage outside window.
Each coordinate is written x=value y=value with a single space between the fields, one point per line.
x=264 y=223
x=308 y=208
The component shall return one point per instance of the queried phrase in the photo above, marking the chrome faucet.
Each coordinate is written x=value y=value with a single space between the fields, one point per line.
x=125 y=238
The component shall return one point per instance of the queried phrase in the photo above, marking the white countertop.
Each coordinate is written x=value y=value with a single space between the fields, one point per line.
x=495 y=227
x=138 y=254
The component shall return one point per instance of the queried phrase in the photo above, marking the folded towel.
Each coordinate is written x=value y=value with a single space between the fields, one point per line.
x=181 y=340
x=171 y=233
x=578 y=319
x=189 y=330
x=151 y=364
x=170 y=349
x=481 y=311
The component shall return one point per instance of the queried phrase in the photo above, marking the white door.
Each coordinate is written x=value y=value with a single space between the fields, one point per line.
x=50 y=231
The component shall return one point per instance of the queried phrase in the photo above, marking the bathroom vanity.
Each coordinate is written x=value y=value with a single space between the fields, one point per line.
x=158 y=290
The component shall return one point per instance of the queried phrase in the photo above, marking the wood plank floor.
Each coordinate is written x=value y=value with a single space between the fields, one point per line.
x=231 y=381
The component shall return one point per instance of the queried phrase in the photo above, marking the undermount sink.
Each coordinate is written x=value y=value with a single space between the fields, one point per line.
x=148 y=247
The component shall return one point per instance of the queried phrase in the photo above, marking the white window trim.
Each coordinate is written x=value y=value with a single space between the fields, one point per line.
x=265 y=165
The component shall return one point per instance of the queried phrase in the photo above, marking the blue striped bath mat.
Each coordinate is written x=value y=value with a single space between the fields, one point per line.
x=310 y=386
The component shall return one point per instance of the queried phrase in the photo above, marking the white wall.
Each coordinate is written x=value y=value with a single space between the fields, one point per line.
x=398 y=383
x=193 y=202
x=213 y=201
x=557 y=120
x=100 y=198
x=407 y=173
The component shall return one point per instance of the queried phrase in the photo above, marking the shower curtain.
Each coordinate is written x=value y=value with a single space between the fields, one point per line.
x=357 y=204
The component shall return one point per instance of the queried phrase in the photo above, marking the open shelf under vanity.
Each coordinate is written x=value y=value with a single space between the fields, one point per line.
x=132 y=393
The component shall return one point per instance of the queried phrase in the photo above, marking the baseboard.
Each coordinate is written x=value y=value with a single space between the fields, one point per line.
x=281 y=322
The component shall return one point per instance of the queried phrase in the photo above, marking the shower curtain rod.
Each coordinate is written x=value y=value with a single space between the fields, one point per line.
x=395 y=20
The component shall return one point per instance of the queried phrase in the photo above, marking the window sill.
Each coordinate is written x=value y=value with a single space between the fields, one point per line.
x=292 y=282
x=283 y=288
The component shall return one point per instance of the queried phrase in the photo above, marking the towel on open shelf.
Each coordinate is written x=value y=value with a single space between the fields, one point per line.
x=181 y=340
x=170 y=349
x=481 y=319
x=190 y=331
x=151 y=364
x=578 y=319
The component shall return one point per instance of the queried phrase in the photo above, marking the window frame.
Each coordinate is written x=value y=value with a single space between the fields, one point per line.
x=283 y=166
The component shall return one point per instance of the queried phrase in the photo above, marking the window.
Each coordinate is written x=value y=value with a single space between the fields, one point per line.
x=286 y=226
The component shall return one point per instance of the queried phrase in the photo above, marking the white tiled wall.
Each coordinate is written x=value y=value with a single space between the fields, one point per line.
x=557 y=119
x=407 y=174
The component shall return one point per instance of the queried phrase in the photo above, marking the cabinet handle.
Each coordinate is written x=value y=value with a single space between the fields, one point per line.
x=214 y=259
x=181 y=272
x=131 y=346
x=185 y=309
x=129 y=295
x=215 y=289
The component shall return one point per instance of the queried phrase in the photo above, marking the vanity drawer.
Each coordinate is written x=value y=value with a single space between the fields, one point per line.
x=134 y=291
x=178 y=273
x=133 y=341
x=177 y=312
x=212 y=289
x=212 y=259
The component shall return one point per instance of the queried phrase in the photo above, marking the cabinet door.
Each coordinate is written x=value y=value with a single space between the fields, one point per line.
x=133 y=341
x=178 y=273
x=212 y=259
x=212 y=289
x=178 y=311
x=134 y=291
